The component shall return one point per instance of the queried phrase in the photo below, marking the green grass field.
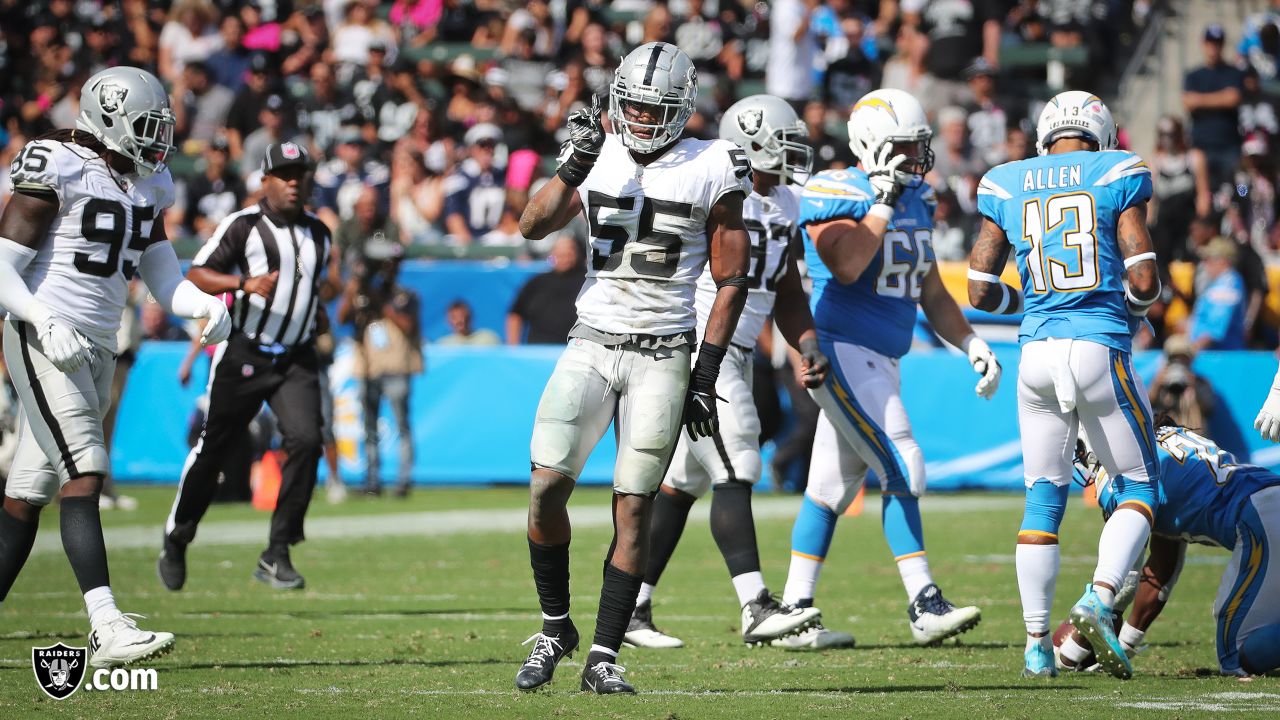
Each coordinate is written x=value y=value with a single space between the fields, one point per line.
x=417 y=608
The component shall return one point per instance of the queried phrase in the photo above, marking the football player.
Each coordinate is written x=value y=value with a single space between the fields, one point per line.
x=659 y=208
x=1076 y=216
x=1268 y=421
x=771 y=134
x=1204 y=496
x=85 y=216
x=869 y=250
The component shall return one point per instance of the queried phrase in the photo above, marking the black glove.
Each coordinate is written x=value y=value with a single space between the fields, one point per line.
x=814 y=364
x=700 y=419
x=882 y=172
x=586 y=137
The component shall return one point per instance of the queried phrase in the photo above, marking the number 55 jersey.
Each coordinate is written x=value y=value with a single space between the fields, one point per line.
x=878 y=310
x=1060 y=212
x=648 y=233
x=81 y=272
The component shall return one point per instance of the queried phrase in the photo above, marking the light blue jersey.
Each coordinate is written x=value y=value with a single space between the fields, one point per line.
x=878 y=310
x=1202 y=492
x=1060 y=213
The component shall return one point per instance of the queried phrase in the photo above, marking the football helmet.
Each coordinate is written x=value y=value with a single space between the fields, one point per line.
x=128 y=110
x=892 y=116
x=1075 y=113
x=657 y=79
x=769 y=131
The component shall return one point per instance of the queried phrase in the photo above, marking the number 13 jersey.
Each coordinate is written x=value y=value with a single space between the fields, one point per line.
x=648 y=243
x=81 y=272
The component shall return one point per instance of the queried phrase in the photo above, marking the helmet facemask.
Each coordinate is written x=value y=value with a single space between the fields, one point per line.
x=647 y=120
x=785 y=154
x=919 y=157
x=150 y=137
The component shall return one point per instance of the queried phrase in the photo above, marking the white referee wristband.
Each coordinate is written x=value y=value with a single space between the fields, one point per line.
x=882 y=211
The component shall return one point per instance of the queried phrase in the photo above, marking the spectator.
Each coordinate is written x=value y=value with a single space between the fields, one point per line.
x=245 y=113
x=1254 y=210
x=1249 y=264
x=156 y=324
x=1177 y=390
x=1217 y=319
x=474 y=196
x=531 y=23
x=597 y=62
x=102 y=48
x=417 y=198
x=428 y=140
x=360 y=30
x=260 y=31
x=272 y=130
x=200 y=107
x=188 y=36
x=341 y=180
x=905 y=70
x=228 y=66
x=324 y=110
x=954 y=166
x=1257 y=111
x=988 y=122
x=956 y=33
x=1017 y=144
x=1260 y=42
x=213 y=194
x=458 y=316
x=415 y=20
x=367 y=224
x=306 y=41
x=1181 y=180
x=828 y=151
x=397 y=109
x=852 y=74
x=463 y=22
x=544 y=310
x=527 y=72
x=789 y=73
x=1211 y=95
x=369 y=83
x=388 y=350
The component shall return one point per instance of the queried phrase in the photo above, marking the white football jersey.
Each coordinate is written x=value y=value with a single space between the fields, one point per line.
x=648 y=241
x=771 y=222
x=82 y=270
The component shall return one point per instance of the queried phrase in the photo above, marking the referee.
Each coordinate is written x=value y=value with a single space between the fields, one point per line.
x=273 y=257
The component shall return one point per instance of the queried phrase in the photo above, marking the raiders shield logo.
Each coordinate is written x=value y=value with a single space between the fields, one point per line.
x=111 y=96
x=749 y=121
x=59 y=669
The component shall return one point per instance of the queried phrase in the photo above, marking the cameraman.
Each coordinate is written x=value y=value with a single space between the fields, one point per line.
x=1178 y=391
x=388 y=349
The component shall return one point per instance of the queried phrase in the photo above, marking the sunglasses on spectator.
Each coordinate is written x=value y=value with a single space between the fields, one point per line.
x=487 y=144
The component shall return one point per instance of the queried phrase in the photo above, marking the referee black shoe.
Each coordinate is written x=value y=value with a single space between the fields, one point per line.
x=275 y=570
x=548 y=651
x=172 y=565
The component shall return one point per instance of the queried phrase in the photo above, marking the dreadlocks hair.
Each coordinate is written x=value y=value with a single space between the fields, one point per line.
x=74 y=136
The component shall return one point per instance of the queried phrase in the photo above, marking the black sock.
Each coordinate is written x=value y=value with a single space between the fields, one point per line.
x=734 y=528
x=666 y=524
x=16 y=539
x=83 y=543
x=551 y=576
x=617 y=602
x=804 y=603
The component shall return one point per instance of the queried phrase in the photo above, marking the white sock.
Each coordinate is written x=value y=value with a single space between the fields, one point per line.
x=646 y=593
x=915 y=575
x=1037 y=576
x=748 y=586
x=1043 y=641
x=802 y=578
x=602 y=649
x=101 y=605
x=1072 y=651
x=1123 y=539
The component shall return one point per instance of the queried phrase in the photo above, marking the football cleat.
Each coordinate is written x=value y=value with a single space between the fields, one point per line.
x=172 y=564
x=1038 y=662
x=814 y=637
x=1094 y=621
x=275 y=569
x=767 y=618
x=118 y=641
x=934 y=619
x=605 y=678
x=642 y=633
x=548 y=651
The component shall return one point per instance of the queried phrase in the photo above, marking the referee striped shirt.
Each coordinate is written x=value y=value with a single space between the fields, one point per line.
x=257 y=241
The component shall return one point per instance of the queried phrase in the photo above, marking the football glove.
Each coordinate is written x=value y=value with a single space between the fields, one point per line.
x=700 y=418
x=586 y=131
x=813 y=364
x=218 y=327
x=1268 y=421
x=65 y=347
x=984 y=363
x=882 y=171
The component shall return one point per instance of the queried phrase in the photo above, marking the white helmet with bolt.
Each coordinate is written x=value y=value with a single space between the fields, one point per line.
x=128 y=110
x=769 y=131
x=1076 y=114
x=892 y=116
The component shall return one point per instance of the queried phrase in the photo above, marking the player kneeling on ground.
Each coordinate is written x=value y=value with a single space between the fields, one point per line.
x=86 y=215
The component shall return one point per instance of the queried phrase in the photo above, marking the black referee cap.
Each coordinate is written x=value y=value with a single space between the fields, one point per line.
x=285 y=154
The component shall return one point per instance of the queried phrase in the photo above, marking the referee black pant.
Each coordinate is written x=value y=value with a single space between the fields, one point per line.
x=243 y=378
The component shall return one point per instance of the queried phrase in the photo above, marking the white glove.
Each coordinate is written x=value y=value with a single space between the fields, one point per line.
x=984 y=363
x=882 y=171
x=65 y=347
x=218 y=328
x=1268 y=421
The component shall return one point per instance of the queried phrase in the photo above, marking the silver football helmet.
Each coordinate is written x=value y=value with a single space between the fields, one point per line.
x=768 y=129
x=656 y=80
x=128 y=110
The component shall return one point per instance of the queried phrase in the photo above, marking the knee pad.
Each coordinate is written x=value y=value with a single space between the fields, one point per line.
x=1127 y=490
x=93 y=461
x=910 y=464
x=1045 y=506
x=837 y=496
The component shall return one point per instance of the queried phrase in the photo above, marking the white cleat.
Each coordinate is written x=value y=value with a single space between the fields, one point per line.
x=815 y=637
x=641 y=632
x=934 y=619
x=118 y=641
x=767 y=618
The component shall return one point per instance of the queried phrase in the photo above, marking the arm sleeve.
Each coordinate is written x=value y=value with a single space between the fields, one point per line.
x=14 y=295
x=835 y=195
x=163 y=276
x=225 y=248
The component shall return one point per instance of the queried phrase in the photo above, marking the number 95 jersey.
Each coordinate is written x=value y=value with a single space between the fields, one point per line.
x=878 y=310
x=648 y=233
x=81 y=272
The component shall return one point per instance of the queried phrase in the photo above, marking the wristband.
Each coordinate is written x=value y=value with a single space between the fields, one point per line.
x=1131 y=261
x=707 y=368
x=882 y=211
x=573 y=171
x=241 y=286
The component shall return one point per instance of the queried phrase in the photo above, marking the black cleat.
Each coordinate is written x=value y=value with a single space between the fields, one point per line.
x=172 y=565
x=605 y=678
x=548 y=651
x=401 y=491
x=275 y=570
